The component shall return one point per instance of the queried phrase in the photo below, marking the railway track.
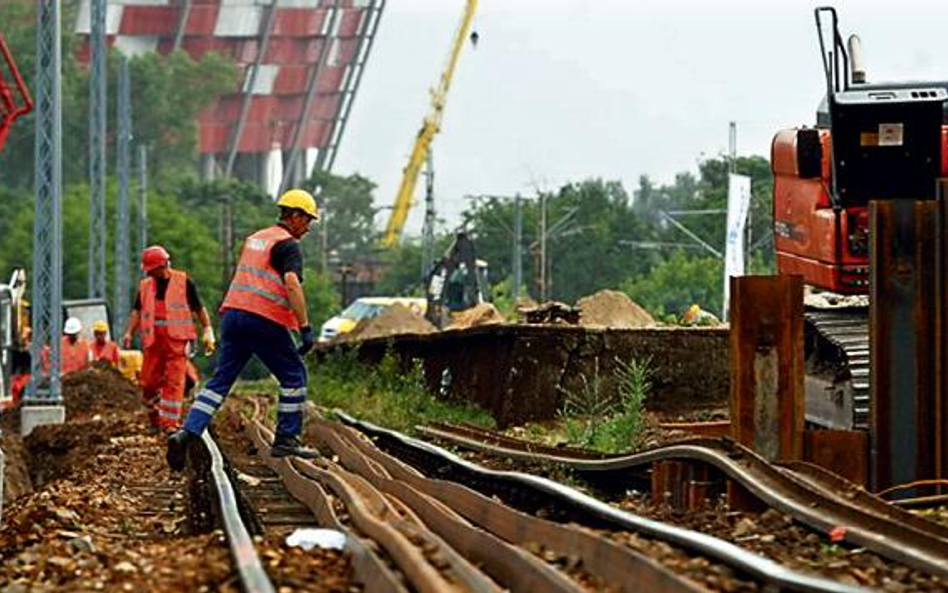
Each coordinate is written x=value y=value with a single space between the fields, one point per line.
x=413 y=528
x=808 y=494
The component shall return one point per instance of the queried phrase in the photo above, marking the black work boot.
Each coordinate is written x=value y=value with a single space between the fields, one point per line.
x=290 y=446
x=178 y=443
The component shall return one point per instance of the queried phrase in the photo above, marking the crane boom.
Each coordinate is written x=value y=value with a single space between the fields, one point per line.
x=429 y=127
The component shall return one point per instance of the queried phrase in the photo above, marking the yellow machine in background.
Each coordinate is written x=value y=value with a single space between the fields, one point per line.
x=430 y=127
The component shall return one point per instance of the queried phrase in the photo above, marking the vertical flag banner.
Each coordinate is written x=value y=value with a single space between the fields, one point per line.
x=738 y=204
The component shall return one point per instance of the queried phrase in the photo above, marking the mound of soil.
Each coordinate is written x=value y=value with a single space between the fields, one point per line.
x=99 y=389
x=395 y=320
x=612 y=309
x=16 y=464
x=482 y=314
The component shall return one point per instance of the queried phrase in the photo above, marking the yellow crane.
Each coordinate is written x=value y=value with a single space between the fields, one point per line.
x=430 y=127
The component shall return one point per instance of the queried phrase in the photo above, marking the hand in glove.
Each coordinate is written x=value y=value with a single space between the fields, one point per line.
x=208 y=341
x=306 y=335
x=127 y=340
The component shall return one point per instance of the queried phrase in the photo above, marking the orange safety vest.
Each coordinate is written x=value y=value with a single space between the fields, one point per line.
x=173 y=313
x=107 y=352
x=257 y=287
x=73 y=357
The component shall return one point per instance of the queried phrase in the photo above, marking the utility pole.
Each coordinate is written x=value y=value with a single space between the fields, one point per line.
x=142 y=197
x=517 y=263
x=542 y=247
x=227 y=240
x=43 y=401
x=122 y=245
x=427 y=245
x=98 y=116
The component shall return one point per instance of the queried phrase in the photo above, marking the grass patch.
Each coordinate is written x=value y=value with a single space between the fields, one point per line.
x=593 y=420
x=385 y=394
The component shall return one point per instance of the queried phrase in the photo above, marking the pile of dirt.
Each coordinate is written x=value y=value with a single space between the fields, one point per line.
x=395 y=320
x=482 y=314
x=612 y=309
x=98 y=390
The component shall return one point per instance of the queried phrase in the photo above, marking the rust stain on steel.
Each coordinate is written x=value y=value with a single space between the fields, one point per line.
x=907 y=338
x=619 y=565
x=507 y=564
x=766 y=354
x=369 y=568
x=845 y=452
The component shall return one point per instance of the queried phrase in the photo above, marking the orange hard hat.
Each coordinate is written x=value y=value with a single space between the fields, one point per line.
x=154 y=257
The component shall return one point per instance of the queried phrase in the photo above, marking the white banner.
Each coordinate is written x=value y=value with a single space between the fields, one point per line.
x=738 y=204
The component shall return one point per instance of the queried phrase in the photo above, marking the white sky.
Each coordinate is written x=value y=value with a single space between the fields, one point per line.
x=564 y=90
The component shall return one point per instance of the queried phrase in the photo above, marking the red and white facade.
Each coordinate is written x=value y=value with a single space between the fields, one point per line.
x=278 y=46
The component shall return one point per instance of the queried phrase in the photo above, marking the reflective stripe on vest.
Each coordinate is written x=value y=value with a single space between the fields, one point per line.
x=173 y=314
x=257 y=287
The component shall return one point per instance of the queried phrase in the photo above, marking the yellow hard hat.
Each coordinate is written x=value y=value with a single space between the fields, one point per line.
x=100 y=326
x=301 y=200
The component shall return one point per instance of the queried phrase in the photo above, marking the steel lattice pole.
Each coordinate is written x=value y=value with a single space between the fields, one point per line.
x=142 y=197
x=122 y=241
x=46 y=307
x=98 y=102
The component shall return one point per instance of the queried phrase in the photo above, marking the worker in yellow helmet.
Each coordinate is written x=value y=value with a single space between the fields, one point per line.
x=263 y=304
x=102 y=347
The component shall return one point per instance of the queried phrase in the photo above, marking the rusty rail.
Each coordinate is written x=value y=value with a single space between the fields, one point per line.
x=253 y=577
x=887 y=532
x=532 y=491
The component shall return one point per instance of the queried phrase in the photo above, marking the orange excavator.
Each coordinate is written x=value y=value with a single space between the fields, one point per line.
x=871 y=141
x=15 y=98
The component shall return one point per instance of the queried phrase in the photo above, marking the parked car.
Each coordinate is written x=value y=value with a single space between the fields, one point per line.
x=365 y=308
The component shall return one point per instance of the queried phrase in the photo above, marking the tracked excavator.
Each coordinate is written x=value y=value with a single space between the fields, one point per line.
x=871 y=141
x=457 y=282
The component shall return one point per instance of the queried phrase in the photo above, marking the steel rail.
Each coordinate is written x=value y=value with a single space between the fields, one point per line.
x=886 y=534
x=380 y=524
x=618 y=564
x=746 y=562
x=368 y=567
x=253 y=577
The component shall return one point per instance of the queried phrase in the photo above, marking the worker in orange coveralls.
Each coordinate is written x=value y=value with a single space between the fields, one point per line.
x=102 y=347
x=74 y=353
x=164 y=312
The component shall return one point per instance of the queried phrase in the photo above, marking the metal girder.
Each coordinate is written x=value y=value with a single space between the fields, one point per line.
x=311 y=91
x=122 y=240
x=46 y=306
x=351 y=80
x=98 y=116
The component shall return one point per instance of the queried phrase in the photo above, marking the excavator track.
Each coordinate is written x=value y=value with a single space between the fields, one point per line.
x=837 y=367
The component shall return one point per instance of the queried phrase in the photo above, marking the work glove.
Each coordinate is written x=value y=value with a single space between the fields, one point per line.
x=127 y=340
x=208 y=341
x=306 y=335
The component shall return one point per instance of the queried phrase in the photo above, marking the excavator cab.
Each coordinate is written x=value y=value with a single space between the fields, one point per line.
x=872 y=142
x=456 y=283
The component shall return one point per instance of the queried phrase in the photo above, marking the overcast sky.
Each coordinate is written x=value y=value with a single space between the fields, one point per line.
x=563 y=90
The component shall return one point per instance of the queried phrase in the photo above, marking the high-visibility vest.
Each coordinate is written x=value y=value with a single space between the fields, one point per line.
x=73 y=357
x=108 y=352
x=173 y=313
x=257 y=287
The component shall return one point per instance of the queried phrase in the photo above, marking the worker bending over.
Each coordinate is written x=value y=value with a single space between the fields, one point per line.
x=265 y=301
x=102 y=347
x=164 y=312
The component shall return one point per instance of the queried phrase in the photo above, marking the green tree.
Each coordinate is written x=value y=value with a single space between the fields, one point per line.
x=675 y=284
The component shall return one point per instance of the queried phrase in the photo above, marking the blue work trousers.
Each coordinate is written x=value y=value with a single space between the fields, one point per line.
x=243 y=335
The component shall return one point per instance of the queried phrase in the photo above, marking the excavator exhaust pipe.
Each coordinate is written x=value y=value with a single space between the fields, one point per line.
x=857 y=66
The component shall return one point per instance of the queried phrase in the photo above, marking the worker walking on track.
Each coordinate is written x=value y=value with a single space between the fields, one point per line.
x=265 y=301
x=164 y=312
x=102 y=347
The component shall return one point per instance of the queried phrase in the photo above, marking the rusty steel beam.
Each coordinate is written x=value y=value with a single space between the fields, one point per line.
x=907 y=264
x=766 y=346
x=844 y=452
